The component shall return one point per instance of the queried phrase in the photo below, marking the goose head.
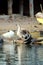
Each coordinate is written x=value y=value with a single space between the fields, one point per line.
x=18 y=28
x=18 y=31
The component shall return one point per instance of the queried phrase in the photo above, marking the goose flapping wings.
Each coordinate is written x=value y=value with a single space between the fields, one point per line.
x=23 y=34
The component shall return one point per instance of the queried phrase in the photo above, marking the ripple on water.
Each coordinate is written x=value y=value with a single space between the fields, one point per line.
x=21 y=55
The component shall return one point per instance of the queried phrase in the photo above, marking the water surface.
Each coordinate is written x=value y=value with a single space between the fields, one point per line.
x=21 y=54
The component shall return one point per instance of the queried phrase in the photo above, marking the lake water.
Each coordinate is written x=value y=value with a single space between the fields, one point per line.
x=21 y=54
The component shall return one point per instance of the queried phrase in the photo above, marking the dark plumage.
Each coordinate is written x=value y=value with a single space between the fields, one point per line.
x=1 y=42
x=28 y=41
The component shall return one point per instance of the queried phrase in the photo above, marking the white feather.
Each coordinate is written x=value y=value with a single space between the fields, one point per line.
x=9 y=34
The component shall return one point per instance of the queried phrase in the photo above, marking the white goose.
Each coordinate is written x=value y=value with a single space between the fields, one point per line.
x=23 y=34
x=8 y=35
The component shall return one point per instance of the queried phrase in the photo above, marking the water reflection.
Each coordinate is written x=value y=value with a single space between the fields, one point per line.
x=23 y=54
x=19 y=54
x=9 y=50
